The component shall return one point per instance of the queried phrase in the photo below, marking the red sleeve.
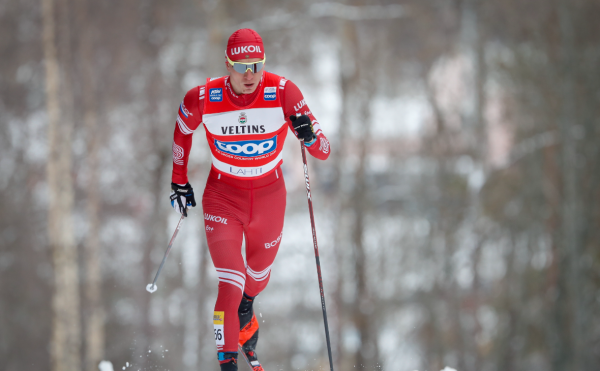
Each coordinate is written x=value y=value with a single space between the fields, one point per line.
x=293 y=103
x=189 y=117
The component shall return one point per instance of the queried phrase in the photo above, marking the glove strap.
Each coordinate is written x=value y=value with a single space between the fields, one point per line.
x=308 y=144
x=181 y=189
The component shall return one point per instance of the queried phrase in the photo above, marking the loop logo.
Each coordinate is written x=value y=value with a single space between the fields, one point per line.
x=248 y=148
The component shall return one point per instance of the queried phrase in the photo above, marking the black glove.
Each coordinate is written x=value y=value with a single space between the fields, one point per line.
x=304 y=128
x=182 y=197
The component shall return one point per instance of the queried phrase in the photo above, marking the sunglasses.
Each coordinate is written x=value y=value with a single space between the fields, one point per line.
x=242 y=67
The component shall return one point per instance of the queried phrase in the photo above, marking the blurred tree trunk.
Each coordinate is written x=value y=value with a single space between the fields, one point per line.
x=94 y=317
x=218 y=32
x=362 y=89
x=473 y=43
x=365 y=303
x=155 y=223
x=554 y=331
x=348 y=80
x=507 y=347
x=439 y=147
x=571 y=208
x=474 y=17
x=66 y=337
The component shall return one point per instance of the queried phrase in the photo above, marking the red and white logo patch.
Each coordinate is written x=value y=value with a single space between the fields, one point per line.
x=324 y=145
x=177 y=154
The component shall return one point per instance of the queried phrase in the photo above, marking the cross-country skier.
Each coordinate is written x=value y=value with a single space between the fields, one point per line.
x=246 y=116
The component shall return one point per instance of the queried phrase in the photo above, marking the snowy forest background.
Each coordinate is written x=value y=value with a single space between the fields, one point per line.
x=458 y=216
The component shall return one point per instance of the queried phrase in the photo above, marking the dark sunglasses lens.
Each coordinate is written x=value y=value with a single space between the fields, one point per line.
x=241 y=68
x=238 y=67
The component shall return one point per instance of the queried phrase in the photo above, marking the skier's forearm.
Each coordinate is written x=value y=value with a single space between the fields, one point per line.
x=320 y=148
x=189 y=118
x=181 y=152
x=295 y=105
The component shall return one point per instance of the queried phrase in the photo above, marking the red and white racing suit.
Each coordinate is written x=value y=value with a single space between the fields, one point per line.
x=245 y=192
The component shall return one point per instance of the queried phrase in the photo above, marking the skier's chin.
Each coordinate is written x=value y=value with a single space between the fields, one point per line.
x=248 y=88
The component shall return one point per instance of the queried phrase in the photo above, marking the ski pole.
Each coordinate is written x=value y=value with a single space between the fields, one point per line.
x=241 y=350
x=314 y=233
x=151 y=287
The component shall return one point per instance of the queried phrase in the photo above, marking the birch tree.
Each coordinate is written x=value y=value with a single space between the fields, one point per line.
x=66 y=337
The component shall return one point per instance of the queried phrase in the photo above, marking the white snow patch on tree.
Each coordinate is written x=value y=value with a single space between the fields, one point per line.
x=105 y=366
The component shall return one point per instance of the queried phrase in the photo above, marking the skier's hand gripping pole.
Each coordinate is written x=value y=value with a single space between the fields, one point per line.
x=314 y=234
x=151 y=287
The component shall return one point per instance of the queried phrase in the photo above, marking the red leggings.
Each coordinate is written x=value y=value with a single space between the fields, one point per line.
x=234 y=208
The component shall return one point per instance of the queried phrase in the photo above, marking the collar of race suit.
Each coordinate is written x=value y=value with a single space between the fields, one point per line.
x=242 y=99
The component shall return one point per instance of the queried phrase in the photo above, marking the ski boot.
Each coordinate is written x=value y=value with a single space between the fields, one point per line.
x=228 y=361
x=248 y=332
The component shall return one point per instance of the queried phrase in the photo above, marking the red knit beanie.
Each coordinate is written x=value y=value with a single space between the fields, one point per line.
x=245 y=44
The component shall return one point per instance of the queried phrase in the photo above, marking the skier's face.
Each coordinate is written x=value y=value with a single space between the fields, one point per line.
x=247 y=82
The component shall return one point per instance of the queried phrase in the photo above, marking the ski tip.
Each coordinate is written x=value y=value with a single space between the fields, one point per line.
x=151 y=288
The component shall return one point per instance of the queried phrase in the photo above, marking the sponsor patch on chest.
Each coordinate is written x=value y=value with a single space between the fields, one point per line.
x=242 y=129
x=215 y=95
x=270 y=93
x=247 y=148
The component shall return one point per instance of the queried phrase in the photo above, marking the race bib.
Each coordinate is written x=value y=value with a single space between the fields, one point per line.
x=218 y=323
